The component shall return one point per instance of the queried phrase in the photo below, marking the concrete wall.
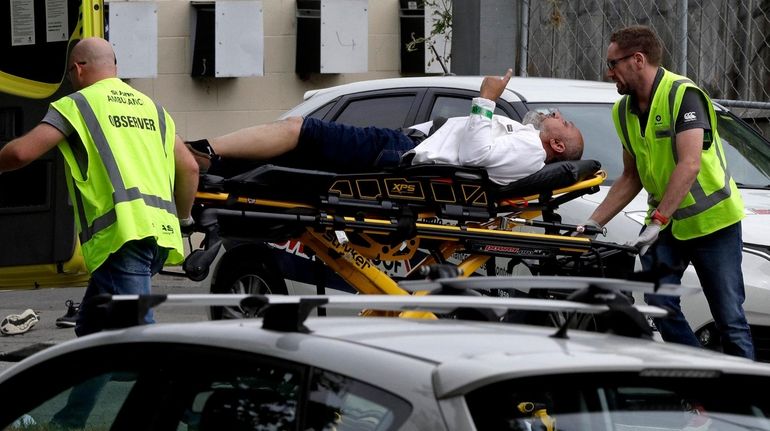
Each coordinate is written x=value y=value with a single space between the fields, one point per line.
x=485 y=38
x=205 y=107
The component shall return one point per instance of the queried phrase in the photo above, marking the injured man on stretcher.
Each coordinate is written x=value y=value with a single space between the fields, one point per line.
x=507 y=149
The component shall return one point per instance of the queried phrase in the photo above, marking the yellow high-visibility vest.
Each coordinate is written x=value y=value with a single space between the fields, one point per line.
x=121 y=180
x=713 y=201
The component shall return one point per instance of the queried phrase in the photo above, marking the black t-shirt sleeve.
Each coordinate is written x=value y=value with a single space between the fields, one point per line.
x=693 y=114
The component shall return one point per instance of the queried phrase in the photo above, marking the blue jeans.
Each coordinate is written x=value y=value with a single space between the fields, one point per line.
x=343 y=148
x=717 y=261
x=128 y=271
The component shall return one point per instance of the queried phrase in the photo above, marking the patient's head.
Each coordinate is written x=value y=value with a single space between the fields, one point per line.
x=561 y=139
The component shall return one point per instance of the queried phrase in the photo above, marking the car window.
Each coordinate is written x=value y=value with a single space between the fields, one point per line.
x=321 y=112
x=137 y=386
x=747 y=153
x=187 y=387
x=649 y=400
x=451 y=106
x=390 y=112
x=352 y=405
x=107 y=392
x=595 y=123
x=263 y=398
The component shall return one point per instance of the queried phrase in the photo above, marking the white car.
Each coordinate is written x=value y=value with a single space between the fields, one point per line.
x=289 y=372
x=402 y=102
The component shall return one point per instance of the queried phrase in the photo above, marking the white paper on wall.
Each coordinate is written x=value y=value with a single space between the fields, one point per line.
x=22 y=22
x=344 y=36
x=134 y=37
x=56 y=23
x=239 y=38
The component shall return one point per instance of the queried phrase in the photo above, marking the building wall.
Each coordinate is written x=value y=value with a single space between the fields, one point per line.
x=204 y=107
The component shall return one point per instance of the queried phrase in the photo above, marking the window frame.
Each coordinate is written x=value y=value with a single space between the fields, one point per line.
x=409 y=119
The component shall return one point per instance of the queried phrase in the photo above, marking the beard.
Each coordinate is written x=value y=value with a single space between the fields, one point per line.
x=623 y=88
x=534 y=118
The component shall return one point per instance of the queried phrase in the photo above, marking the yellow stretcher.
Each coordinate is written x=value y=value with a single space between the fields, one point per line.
x=349 y=220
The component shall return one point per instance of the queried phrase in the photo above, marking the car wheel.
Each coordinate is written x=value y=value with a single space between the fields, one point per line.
x=246 y=273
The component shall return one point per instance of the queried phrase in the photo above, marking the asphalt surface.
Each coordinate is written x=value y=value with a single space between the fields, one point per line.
x=49 y=304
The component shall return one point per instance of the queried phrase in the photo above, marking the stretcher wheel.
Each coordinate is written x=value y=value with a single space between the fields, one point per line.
x=248 y=269
x=195 y=267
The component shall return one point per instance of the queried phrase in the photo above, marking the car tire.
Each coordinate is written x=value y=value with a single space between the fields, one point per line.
x=250 y=270
x=709 y=337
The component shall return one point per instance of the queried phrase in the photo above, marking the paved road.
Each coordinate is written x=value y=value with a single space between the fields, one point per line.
x=49 y=303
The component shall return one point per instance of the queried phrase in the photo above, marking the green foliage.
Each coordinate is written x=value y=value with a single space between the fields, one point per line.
x=442 y=28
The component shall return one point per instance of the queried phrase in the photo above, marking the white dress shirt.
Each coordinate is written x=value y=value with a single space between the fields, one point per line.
x=507 y=149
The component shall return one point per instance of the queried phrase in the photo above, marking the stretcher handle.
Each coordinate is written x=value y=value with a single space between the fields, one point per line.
x=615 y=246
x=585 y=230
x=196 y=265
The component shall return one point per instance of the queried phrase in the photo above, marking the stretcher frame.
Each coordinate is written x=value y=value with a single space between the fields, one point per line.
x=346 y=239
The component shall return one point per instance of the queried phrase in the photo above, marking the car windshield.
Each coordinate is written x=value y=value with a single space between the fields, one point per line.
x=747 y=152
x=652 y=400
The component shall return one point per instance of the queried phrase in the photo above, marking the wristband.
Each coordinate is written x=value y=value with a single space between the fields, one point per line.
x=476 y=109
x=656 y=215
x=188 y=221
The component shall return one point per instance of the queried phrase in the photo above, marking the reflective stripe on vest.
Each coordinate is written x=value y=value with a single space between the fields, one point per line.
x=702 y=201
x=623 y=125
x=120 y=193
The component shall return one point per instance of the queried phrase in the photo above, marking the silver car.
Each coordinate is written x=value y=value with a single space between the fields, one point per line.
x=285 y=371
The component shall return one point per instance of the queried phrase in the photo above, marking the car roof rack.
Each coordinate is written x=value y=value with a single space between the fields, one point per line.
x=536 y=282
x=621 y=318
x=288 y=313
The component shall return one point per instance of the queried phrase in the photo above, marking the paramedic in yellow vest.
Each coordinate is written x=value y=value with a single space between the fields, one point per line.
x=671 y=148
x=131 y=179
